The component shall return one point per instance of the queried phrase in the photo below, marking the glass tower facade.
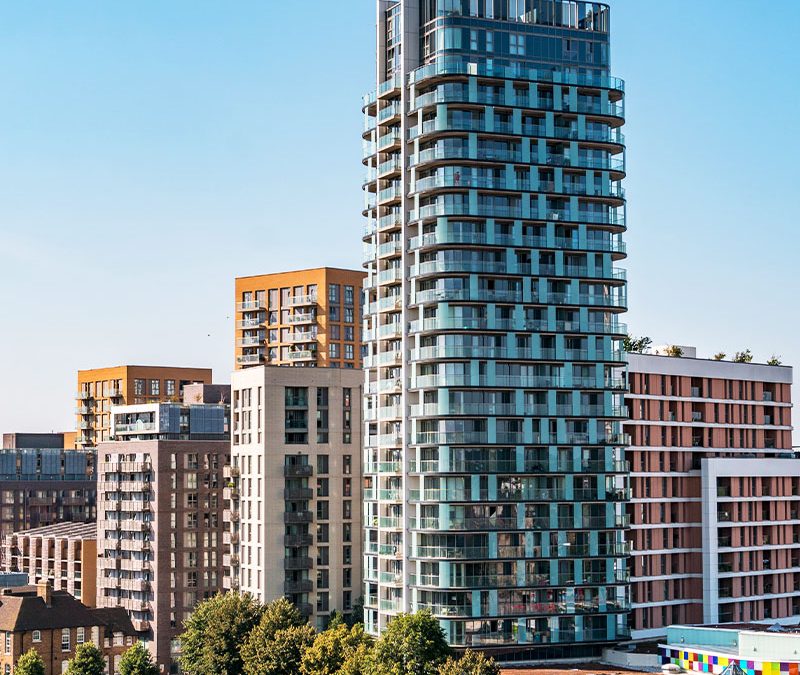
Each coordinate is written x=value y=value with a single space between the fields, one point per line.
x=495 y=483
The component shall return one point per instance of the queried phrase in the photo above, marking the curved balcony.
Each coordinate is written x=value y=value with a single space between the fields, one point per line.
x=435 y=210
x=452 y=181
x=438 y=267
x=441 y=151
x=610 y=136
x=461 y=324
x=609 y=243
x=457 y=92
x=449 y=67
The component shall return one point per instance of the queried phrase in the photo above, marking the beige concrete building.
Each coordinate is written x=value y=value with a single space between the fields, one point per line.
x=160 y=533
x=64 y=554
x=295 y=487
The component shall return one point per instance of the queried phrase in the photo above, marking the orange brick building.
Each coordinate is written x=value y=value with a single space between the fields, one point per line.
x=100 y=388
x=302 y=318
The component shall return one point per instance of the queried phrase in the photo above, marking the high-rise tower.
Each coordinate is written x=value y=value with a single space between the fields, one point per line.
x=494 y=474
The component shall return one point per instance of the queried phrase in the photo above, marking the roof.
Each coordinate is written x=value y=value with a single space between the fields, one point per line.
x=62 y=531
x=21 y=609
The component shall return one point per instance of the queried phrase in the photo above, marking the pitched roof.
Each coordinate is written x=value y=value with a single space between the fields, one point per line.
x=21 y=609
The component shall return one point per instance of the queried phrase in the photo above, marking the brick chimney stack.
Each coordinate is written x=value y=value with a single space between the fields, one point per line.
x=45 y=591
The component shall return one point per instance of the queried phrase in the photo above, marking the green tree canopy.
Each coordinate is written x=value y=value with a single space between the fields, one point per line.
x=719 y=356
x=214 y=633
x=88 y=660
x=332 y=648
x=471 y=663
x=743 y=357
x=674 y=350
x=30 y=663
x=276 y=653
x=412 y=644
x=774 y=360
x=137 y=661
x=634 y=345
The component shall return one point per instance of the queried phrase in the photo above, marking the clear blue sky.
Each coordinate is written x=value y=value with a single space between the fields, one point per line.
x=152 y=151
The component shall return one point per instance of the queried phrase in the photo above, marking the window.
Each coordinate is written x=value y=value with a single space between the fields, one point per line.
x=155 y=387
x=322 y=463
x=348 y=315
x=37 y=636
x=489 y=41
x=347 y=464
x=322 y=487
x=65 y=640
x=347 y=577
x=516 y=44
x=333 y=350
x=333 y=294
x=333 y=313
x=335 y=333
x=8 y=642
x=473 y=40
x=347 y=509
x=348 y=352
x=169 y=387
x=80 y=635
x=349 y=296
x=347 y=555
x=323 y=510
x=138 y=387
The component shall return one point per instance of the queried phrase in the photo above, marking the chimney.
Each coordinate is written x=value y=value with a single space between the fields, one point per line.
x=45 y=591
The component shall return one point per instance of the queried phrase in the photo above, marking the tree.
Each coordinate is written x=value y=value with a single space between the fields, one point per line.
x=471 y=663
x=743 y=357
x=215 y=631
x=634 y=345
x=30 y=663
x=412 y=644
x=359 y=662
x=277 y=654
x=674 y=350
x=137 y=661
x=719 y=356
x=332 y=648
x=774 y=360
x=88 y=660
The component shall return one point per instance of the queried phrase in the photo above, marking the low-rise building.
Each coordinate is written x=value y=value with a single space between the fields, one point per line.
x=715 y=507
x=160 y=525
x=65 y=554
x=746 y=648
x=54 y=624
x=43 y=486
x=295 y=487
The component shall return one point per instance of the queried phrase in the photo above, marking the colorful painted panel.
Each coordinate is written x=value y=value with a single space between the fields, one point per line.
x=701 y=662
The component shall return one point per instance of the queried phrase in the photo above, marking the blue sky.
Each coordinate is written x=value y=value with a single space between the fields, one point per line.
x=150 y=152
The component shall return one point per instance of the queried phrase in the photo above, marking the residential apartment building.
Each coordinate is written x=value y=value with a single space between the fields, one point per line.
x=64 y=554
x=160 y=527
x=715 y=509
x=55 y=624
x=101 y=388
x=295 y=487
x=301 y=318
x=494 y=480
x=42 y=486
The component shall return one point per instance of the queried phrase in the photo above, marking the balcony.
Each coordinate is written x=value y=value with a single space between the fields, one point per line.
x=84 y=396
x=297 y=470
x=250 y=305
x=251 y=340
x=295 y=493
x=114 y=392
x=301 y=318
x=301 y=563
x=250 y=359
x=300 y=586
x=229 y=471
x=298 y=540
x=302 y=355
x=302 y=336
x=297 y=517
x=84 y=410
x=302 y=301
